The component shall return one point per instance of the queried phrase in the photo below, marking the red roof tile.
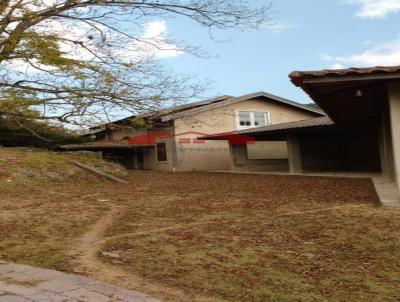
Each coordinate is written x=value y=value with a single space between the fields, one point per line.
x=298 y=76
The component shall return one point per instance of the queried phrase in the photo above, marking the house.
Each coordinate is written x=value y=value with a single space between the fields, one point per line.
x=360 y=134
x=169 y=139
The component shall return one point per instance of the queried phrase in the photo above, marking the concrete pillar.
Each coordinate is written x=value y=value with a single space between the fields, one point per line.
x=394 y=107
x=238 y=155
x=231 y=156
x=385 y=146
x=294 y=151
x=135 y=160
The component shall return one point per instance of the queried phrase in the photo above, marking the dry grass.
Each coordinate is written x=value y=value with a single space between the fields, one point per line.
x=34 y=166
x=44 y=206
x=223 y=237
x=214 y=237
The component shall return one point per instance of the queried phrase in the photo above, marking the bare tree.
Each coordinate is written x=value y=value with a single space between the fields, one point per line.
x=79 y=60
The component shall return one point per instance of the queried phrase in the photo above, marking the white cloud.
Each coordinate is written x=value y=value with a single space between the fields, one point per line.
x=386 y=54
x=337 y=66
x=154 y=41
x=376 y=8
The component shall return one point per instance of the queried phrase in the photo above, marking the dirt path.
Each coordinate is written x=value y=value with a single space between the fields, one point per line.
x=84 y=252
x=85 y=261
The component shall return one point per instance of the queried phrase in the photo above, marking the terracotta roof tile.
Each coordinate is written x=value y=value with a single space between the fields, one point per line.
x=298 y=76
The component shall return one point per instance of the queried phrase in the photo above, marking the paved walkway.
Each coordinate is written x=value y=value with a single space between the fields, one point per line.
x=387 y=192
x=21 y=283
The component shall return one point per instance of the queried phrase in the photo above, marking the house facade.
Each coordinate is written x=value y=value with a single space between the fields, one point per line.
x=170 y=141
x=359 y=135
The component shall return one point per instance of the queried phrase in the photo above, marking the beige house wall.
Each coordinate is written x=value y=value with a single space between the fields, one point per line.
x=167 y=165
x=185 y=153
x=119 y=134
x=223 y=119
x=149 y=154
x=215 y=155
x=149 y=159
x=241 y=162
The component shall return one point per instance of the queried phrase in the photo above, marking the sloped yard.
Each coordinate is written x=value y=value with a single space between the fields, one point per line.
x=211 y=237
x=258 y=238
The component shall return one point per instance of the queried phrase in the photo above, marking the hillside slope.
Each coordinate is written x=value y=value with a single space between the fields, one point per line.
x=34 y=166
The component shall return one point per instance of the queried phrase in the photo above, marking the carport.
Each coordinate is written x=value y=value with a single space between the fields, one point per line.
x=361 y=132
x=361 y=99
x=132 y=157
x=313 y=146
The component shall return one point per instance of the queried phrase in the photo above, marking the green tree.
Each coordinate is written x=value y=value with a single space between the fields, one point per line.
x=23 y=132
x=77 y=61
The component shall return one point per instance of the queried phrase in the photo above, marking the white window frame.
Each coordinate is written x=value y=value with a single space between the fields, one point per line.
x=267 y=117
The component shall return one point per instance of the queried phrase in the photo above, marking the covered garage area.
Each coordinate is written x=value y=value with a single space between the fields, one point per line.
x=132 y=157
x=315 y=145
x=365 y=103
x=339 y=150
x=361 y=132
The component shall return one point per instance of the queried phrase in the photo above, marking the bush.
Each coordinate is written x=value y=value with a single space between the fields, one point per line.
x=37 y=134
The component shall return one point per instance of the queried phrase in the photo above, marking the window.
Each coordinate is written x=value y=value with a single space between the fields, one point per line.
x=248 y=119
x=161 y=152
x=245 y=119
x=260 y=119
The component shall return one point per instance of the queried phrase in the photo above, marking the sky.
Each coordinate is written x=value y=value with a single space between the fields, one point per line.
x=303 y=35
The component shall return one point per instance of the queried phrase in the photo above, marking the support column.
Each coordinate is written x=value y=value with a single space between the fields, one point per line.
x=294 y=151
x=135 y=160
x=394 y=107
x=238 y=156
x=385 y=146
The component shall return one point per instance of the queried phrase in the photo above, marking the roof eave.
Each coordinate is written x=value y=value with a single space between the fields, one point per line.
x=239 y=99
x=351 y=78
x=66 y=147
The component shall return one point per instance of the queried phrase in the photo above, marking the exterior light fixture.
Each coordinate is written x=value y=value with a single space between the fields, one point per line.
x=359 y=93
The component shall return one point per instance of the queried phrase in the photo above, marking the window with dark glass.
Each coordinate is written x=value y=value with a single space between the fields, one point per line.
x=244 y=119
x=161 y=152
x=249 y=119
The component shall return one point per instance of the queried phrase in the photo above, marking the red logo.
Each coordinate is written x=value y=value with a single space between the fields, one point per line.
x=185 y=141
x=151 y=137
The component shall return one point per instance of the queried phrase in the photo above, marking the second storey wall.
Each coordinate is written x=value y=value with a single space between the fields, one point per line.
x=215 y=155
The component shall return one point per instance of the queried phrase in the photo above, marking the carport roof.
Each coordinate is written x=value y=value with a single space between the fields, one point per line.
x=323 y=121
x=327 y=75
x=313 y=123
x=99 y=145
x=232 y=100
x=351 y=96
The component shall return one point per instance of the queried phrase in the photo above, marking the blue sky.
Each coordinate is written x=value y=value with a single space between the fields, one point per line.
x=306 y=35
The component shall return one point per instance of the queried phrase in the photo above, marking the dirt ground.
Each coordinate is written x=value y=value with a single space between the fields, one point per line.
x=210 y=236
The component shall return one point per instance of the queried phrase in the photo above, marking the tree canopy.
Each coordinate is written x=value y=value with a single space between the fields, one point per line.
x=80 y=60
